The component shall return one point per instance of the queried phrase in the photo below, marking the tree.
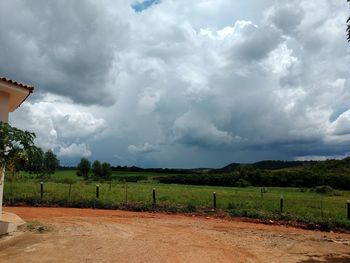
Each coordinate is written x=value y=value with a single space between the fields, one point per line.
x=83 y=168
x=106 y=171
x=50 y=162
x=14 y=146
x=35 y=161
x=96 y=169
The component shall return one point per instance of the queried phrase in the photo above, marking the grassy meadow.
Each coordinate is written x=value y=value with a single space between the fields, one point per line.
x=300 y=204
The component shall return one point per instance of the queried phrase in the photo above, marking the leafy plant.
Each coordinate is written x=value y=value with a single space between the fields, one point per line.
x=14 y=147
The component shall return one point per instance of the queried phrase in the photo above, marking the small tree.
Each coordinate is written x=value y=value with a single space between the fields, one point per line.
x=106 y=171
x=83 y=168
x=35 y=163
x=50 y=163
x=14 y=146
x=96 y=169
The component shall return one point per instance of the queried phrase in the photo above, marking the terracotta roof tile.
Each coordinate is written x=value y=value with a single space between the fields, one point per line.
x=19 y=84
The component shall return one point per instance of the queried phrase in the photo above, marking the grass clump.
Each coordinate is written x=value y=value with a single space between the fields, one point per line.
x=37 y=227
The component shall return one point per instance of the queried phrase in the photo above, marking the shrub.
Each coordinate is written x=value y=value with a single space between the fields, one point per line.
x=324 y=189
x=242 y=183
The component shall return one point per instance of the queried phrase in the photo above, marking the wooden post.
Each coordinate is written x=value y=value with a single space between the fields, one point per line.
x=348 y=209
x=97 y=191
x=126 y=193
x=70 y=190
x=41 y=190
x=281 y=204
x=154 y=196
x=214 y=200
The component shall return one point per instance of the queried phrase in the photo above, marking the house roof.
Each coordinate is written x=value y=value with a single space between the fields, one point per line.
x=19 y=91
x=18 y=84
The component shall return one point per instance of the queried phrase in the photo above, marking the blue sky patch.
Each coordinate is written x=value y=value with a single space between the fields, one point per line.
x=140 y=6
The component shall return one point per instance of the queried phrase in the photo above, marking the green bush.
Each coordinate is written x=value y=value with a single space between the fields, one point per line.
x=324 y=189
x=242 y=183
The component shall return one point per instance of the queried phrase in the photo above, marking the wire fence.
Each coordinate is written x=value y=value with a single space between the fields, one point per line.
x=298 y=203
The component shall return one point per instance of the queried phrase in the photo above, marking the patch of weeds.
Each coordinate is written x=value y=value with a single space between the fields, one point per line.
x=37 y=227
x=231 y=206
x=190 y=207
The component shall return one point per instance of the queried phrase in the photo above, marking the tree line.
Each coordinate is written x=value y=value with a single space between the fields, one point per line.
x=95 y=170
x=334 y=173
x=39 y=162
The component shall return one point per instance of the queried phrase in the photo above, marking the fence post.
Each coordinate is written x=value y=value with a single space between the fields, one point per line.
x=154 y=196
x=70 y=190
x=97 y=191
x=348 y=209
x=281 y=204
x=214 y=200
x=41 y=190
x=126 y=192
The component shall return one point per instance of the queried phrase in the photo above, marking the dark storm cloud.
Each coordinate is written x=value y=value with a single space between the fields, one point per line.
x=64 y=47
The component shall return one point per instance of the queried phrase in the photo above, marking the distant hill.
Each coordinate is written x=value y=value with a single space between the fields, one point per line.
x=333 y=173
x=275 y=165
x=263 y=165
x=227 y=169
x=159 y=170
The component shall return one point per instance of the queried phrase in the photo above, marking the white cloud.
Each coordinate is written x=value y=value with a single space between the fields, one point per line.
x=280 y=60
x=56 y=122
x=322 y=157
x=145 y=148
x=341 y=126
x=74 y=150
x=148 y=100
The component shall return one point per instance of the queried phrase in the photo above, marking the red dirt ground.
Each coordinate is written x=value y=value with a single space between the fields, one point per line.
x=87 y=235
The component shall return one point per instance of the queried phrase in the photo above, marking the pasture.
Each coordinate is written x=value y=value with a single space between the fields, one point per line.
x=64 y=188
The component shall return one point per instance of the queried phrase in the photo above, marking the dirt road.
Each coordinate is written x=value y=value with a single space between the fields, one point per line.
x=86 y=235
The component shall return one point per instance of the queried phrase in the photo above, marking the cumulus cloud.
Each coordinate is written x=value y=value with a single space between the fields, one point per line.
x=145 y=148
x=74 y=150
x=148 y=100
x=58 y=123
x=207 y=78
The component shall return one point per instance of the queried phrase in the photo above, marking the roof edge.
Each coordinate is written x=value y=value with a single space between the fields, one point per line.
x=18 y=84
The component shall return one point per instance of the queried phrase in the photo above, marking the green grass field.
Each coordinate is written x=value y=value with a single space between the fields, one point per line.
x=299 y=204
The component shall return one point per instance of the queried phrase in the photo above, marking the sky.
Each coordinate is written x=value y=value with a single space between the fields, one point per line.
x=178 y=83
